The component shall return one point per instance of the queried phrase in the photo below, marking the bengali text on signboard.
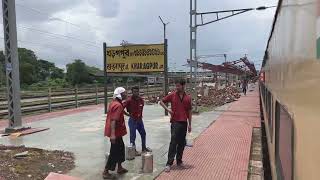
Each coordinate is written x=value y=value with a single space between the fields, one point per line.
x=135 y=58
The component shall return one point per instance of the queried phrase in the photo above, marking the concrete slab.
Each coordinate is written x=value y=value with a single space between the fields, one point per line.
x=55 y=176
x=82 y=134
x=25 y=132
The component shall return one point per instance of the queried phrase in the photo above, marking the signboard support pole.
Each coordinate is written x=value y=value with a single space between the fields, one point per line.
x=105 y=78
x=127 y=86
x=166 y=83
x=148 y=88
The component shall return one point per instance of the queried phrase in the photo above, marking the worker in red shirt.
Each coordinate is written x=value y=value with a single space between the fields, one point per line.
x=115 y=129
x=181 y=115
x=134 y=105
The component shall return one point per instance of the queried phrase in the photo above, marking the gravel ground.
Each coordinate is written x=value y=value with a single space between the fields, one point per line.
x=37 y=164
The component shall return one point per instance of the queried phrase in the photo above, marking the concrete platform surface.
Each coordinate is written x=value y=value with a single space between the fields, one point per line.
x=81 y=131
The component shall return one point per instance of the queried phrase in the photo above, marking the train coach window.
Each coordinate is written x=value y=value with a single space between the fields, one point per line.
x=284 y=143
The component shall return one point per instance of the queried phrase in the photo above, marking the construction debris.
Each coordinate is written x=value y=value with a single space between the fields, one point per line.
x=36 y=163
x=219 y=97
x=209 y=96
x=21 y=155
x=152 y=99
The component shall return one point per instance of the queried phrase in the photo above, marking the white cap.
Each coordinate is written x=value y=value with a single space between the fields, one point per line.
x=117 y=92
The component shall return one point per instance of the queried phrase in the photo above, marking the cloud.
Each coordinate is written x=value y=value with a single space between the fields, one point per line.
x=39 y=11
x=89 y=23
x=106 y=8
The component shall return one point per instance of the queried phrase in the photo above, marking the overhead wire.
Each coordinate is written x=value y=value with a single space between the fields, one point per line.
x=89 y=43
x=48 y=15
x=87 y=27
x=59 y=48
x=63 y=48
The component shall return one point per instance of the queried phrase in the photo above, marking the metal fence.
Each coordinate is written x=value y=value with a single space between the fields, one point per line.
x=51 y=99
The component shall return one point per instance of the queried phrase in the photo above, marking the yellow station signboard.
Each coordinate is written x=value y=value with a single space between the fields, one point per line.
x=135 y=58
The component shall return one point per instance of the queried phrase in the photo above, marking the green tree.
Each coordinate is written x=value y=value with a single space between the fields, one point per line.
x=57 y=73
x=40 y=72
x=44 y=68
x=33 y=70
x=28 y=74
x=48 y=70
x=93 y=70
x=28 y=66
x=27 y=56
x=96 y=74
x=78 y=73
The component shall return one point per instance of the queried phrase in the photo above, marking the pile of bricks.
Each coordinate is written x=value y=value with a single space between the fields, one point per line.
x=152 y=99
x=219 y=97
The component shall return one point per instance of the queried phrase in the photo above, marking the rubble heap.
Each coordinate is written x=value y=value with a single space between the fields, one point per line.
x=152 y=99
x=219 y=97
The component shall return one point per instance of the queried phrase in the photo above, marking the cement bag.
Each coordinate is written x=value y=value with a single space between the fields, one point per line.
x=189 y=140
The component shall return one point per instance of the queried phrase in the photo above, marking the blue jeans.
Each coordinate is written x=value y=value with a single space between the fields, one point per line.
x=137 y=125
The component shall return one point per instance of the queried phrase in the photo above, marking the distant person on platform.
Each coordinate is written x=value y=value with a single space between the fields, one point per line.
x=115 y=129
x=134 y=105
x=245 y=86
x=181 y=115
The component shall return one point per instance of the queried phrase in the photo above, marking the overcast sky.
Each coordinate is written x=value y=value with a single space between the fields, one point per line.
x=63 y=30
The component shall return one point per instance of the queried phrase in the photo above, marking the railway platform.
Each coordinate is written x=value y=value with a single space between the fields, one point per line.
x=222 y=151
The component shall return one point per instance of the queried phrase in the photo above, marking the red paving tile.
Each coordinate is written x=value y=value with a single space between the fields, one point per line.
x=222 y=151
x=55 y=176
x=39 y=117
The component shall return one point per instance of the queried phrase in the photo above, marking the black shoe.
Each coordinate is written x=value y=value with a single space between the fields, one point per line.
x=179 y=163
x=146 y=150
x=138 y=153
x=107 y=175
x=122 y=171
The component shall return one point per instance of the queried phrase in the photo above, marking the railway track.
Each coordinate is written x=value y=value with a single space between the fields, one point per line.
x=53 y=100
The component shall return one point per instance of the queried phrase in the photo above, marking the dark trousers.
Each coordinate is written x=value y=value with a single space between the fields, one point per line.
x=244 y=91
x=135 y=125
x=117 y=154
x=178 y=141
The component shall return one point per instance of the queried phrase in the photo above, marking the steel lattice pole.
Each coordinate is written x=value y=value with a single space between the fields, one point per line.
x=193 y=48
x=12 y=64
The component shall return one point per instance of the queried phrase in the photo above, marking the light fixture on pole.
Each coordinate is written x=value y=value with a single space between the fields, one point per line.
x=165 y=41
x=164 y=27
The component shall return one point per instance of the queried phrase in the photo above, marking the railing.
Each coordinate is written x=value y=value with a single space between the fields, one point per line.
x=51 y=99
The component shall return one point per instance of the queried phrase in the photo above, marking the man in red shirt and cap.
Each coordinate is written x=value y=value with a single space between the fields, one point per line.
x=181 y=115
x=115 y=129
x=134 y=105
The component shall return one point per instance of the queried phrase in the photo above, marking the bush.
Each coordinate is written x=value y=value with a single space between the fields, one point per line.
x=43 y=85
